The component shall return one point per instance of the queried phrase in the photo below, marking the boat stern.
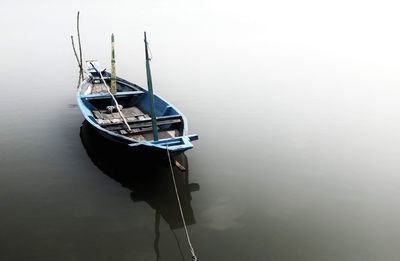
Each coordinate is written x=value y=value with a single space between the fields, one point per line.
x=174 y=145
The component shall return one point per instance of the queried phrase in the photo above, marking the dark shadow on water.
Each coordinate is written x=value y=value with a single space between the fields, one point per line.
x=145 y=173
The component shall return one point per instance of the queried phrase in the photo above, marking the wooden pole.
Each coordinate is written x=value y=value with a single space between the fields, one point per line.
x=79 y=38
x=150 y=88
x=78 y=59
x=113 y=73
x=76 y=55
x=79 y=63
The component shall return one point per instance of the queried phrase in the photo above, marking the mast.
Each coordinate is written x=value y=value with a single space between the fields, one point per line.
x=113 y=73
x=150 y=88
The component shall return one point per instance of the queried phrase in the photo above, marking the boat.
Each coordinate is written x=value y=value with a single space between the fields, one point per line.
x=124 y=112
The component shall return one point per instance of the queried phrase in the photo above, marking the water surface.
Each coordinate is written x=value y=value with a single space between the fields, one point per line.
x=297 y=110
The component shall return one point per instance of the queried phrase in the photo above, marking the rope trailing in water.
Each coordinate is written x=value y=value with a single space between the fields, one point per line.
x=112 y=96
x=194 y=257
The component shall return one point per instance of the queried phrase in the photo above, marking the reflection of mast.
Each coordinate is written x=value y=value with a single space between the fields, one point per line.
x=179 y=245
x=157 y=237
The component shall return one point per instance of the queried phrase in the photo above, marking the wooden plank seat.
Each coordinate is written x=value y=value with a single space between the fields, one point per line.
x=139 y=124
x=132 y=113
x=104 y=95
x=148 y=134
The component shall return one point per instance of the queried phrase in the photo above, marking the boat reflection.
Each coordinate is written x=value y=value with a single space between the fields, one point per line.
x=146 y=173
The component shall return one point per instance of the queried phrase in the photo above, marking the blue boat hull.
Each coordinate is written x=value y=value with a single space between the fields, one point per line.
x=169 y=118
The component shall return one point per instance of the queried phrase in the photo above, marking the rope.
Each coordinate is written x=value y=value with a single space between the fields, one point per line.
x=194 y=257
x=112 y=96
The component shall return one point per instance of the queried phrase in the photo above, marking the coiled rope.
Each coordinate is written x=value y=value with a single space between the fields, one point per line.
x=194 y=257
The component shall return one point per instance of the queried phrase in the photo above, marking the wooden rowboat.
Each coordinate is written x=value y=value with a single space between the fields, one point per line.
x=95 y=101
x=134 y=101
x=130 y=114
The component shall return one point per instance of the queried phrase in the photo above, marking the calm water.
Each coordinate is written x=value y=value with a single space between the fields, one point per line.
x=297 y=108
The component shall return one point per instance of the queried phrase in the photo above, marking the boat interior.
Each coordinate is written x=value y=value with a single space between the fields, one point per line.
x=134 y=105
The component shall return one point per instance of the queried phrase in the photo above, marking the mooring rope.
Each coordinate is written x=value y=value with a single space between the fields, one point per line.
x=112 y=96
x=194 y=257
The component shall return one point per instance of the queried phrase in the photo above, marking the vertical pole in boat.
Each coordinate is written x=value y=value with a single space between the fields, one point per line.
x=113 y=73
x=150 y=88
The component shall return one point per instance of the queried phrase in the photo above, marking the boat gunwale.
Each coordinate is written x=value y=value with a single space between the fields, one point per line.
x=88 y=115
